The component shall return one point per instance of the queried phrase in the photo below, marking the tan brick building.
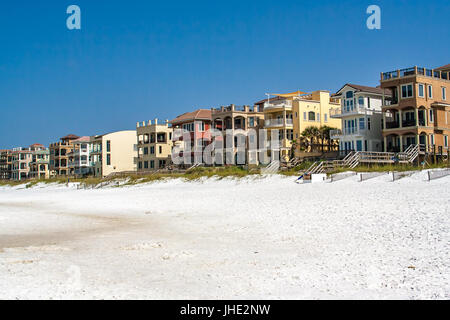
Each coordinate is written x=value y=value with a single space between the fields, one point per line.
x=59 y=156
x=418 y=111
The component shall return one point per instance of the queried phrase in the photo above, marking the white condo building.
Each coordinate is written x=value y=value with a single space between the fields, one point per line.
x=79 y=158
x=361 y=117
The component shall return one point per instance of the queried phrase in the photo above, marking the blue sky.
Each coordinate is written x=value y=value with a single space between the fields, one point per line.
x=137 y=60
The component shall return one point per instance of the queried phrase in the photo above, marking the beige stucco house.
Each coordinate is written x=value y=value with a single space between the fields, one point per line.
x=113 y=152
x=154 y=145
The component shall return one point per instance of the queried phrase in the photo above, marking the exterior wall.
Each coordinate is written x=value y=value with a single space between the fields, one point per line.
x=154 y=145
x=39 y=167
x=5 y=164
x=199 y=139
x=240 y=120
x=121 y=153
x=21 y=164
x=319 y=103
x=357 y=135
x=59 y=158
x=431 y=113
x=80 y=163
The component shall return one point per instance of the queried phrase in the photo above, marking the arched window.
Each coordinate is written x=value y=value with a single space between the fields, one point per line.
x=311 y=116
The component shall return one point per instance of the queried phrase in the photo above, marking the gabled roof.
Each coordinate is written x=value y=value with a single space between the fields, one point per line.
x=200 y=114
x=37 y=145
x=360 y=88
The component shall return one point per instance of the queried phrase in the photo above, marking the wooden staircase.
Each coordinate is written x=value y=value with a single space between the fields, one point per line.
x=355 y=158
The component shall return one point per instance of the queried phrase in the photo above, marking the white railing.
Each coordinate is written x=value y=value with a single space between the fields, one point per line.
x=348 y=131
x=278 y=122
x=343 y=111
x=284 y=104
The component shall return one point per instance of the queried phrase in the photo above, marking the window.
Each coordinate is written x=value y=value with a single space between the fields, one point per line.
x=108 y=146
x=431 y=118
x=160 y=149
x=145 y=150
x=361 y=101
x=304 y=116
x=311 y=116
x=108 y=159
x=251 y=122
x=152 y=164
x=407 y=91
x=430 y=91
x=446 y=141
x=202 y=126
x=145 y=164
x=432 y=139
x=444 y=93
x=325 y=117
x=421 y=90
x=368 y=123
x=349 y=94
x=318 y=117
x=362 y=123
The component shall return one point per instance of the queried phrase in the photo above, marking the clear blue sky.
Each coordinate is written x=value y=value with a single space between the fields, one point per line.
x=137 y=60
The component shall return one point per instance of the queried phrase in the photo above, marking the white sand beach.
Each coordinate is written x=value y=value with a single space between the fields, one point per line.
x=254 y=238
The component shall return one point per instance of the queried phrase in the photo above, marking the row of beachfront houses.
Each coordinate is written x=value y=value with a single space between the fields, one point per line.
x=410 y=106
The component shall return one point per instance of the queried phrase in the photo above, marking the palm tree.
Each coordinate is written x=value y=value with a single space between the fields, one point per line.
x=312 y=134
x=326 y=135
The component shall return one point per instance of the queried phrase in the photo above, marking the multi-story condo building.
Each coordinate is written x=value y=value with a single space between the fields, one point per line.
x=197 y=124
x=40 y=159
x=417 y=110
x=79 y=157
x=113 y=152
x=59 y=156
x=292 y=113
x=154 y=145
x=21 y=160
x=361 y=116
x=240 y=119
x=5 y=164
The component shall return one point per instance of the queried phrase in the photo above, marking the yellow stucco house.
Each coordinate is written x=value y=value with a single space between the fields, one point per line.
x=292 y=113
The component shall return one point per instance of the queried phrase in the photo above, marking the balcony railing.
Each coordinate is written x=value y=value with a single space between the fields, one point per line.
x=278 y=122
x=415 y=71
x=392 y=125
x=359 y=109
x=285 y=104
x=347 y=131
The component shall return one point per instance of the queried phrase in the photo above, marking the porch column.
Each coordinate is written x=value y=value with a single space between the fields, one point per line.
x=400 y=118
x=400 y=139
x=384 y=120
x=425 y=117
x=417 y=116
x=417 y=139
x=385 y=144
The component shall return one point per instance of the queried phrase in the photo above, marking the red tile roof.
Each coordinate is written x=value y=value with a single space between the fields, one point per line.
x=200 y=114
x=70 y=137
x=446 y=67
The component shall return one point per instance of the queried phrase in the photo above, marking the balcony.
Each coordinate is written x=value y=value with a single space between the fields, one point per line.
x=344 y=111
x=392 y=125
x=337 y=134
x=287 y=104
x=397 y=74
x=278 y=122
